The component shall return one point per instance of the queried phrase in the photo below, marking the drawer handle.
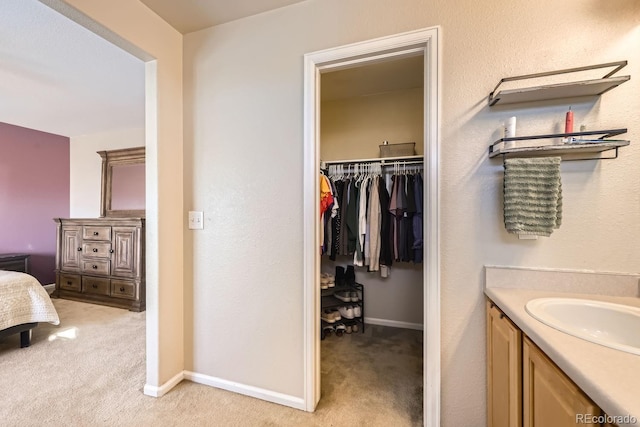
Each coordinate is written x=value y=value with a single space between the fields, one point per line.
x=79 y=249
x=95 y=267
x=501 y=316
x=94 y=286
x=95 y=233
x=111 y=251
x=69 y=283
x=121 y=288
x=95 y=249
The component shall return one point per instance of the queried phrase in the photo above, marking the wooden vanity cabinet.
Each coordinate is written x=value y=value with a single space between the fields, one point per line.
x=550 y=398
x=504 y=370
x=101 y=261
x=524 y=387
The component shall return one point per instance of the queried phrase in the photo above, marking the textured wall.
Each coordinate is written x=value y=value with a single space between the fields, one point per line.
x=34 y=189
x=86 y=167
x=354 y=128
x=243 y=167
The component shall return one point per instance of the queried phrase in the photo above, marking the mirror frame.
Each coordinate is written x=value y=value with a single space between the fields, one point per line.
x=111 y=158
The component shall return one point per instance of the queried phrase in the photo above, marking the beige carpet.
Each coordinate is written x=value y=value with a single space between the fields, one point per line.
x=90 y=371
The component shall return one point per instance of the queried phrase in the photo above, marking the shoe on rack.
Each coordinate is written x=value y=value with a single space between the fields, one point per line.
x=357 y=311
x=330 y=315
x=340 y=278
x=340 y=329
x=350 y=275
x=354 y=296
x=344 y=296
x=349 y=329
x=331 y=280
x=324 y=281
x=346 y=312
x=354 y=328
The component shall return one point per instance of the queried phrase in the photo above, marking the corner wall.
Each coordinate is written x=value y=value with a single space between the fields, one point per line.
x=34 y=189
x=243 y=168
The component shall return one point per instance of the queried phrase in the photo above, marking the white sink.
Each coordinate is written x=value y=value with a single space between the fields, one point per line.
x=612 y=325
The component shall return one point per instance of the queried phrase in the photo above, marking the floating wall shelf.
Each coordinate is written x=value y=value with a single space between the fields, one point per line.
x=578 y=145
x=584 y=88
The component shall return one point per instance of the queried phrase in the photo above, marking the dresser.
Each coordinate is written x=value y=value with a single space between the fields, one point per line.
x=101 y=261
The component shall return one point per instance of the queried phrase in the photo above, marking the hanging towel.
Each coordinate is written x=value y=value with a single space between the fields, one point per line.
x=532 y=195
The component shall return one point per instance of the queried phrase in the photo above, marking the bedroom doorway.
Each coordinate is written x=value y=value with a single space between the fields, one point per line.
x=143 y=133
x=422 y=42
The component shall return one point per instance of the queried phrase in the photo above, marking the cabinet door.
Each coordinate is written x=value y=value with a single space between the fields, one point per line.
x=70 y=247
x=504 y=370
x=125 y=251
x=550 y=397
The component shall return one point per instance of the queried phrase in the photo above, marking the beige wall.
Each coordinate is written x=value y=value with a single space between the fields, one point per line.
x=132 y=26
x=243 y=167
x=86 y=167
x=354 y=128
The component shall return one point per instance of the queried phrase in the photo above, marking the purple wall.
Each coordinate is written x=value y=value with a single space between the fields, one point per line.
x=34 y=189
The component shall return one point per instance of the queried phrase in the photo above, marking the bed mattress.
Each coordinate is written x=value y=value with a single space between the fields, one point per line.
x=24 y=300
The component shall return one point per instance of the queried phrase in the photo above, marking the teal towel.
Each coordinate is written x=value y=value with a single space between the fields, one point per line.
x=532 y=195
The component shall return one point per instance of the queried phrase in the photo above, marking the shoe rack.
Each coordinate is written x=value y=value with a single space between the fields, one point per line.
x=329 y=301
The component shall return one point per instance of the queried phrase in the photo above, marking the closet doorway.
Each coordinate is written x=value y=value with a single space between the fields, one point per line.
x=399 y=70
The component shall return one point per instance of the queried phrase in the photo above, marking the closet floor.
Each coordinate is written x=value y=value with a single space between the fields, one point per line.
x=373 y=378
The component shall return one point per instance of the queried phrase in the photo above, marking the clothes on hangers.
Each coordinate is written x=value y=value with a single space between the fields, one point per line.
x=366 y=221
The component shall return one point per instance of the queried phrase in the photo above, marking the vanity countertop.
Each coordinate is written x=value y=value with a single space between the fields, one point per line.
x=611 y=378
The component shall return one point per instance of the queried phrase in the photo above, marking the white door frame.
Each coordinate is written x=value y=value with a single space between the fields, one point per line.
x=426 y=41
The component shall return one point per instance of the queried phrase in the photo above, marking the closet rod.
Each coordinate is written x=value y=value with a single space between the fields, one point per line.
x=386 y=161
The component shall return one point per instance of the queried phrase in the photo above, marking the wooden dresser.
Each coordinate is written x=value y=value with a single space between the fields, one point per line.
x=101 y=261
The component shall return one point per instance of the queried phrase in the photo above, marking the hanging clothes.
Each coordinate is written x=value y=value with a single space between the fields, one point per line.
x=418 y=241
x=352 y=217
x=336 y=222
x=386 y=244
x=374 y=227
x=363 y=219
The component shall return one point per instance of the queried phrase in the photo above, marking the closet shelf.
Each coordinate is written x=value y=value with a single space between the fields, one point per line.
x=574 y=89
x=383 y=160
x=593 y=146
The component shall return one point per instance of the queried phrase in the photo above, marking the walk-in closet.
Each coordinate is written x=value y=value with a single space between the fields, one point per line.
x=372 y=254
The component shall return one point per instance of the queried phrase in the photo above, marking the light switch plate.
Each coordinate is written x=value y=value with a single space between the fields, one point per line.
x=196 y=220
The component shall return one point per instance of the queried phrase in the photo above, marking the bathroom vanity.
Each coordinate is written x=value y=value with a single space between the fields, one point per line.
x=540 y=376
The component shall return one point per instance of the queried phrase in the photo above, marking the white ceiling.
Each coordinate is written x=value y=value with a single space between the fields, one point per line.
x=58 y=77
x=192 y=15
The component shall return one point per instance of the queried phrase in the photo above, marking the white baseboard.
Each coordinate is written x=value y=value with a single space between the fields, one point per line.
x=247 y=390
x=393 y=323
x=155 y=391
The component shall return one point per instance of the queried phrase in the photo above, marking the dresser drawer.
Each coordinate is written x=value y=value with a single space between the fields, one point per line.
x=95 y=285
x=92 y=232
x=70 y=282
x=95 y=267
x=123 y=289
x=96 y=250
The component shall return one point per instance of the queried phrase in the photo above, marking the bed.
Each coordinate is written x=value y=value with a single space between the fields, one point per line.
x=23 y=303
